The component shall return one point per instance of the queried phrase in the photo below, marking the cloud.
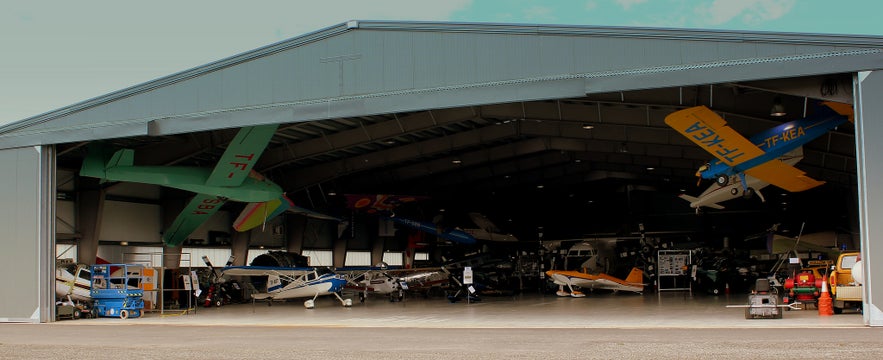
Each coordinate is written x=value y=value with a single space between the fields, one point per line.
x=538 y=13
x=748 y=11
x=627 y=4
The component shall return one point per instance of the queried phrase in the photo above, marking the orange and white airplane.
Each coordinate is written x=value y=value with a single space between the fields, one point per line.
x=581 y=280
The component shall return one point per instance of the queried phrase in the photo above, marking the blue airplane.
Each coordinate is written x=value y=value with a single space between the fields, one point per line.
x=759 y=155
x=453 y=235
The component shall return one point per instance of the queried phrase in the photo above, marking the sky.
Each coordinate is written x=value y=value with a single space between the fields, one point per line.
x=55 y=53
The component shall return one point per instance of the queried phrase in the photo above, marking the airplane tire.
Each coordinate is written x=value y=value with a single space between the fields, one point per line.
x=734 y=191
x=309 y=304
x=749 y=193
x=124 y=314
x=722 y=180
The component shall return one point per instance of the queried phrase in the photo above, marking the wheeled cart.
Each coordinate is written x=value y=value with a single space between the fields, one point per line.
x=116 y=290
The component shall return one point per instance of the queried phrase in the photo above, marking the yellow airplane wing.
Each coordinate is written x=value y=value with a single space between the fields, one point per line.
x=708 y=130
x=784 y=176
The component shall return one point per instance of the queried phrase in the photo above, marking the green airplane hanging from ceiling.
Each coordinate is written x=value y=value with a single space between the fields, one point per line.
x=231 y=179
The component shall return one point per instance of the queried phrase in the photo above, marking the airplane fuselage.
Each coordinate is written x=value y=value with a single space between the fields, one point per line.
x=455 y=235
x=194 y=179
x=590 y=281
x=774 y=142
x=323 y=285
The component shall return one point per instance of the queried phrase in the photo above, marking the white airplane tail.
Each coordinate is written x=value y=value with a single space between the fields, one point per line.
x=274 y=284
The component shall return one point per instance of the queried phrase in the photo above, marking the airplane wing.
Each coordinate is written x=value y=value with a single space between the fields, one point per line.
x=708 y=130
x=197 y=211
x=785 y=176
x=231 y=170
x=264 y=271
x=241 y=155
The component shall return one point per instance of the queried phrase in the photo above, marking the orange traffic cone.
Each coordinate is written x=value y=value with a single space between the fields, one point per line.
x=825 y=304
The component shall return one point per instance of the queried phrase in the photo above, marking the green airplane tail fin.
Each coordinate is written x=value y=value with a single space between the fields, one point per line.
x=99 y=158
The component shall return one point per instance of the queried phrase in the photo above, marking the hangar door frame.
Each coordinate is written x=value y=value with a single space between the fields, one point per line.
x=27 y=217
x=869 y=150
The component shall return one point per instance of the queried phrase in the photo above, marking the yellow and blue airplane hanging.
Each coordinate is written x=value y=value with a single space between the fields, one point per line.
x=231 y=179
x=758 y=156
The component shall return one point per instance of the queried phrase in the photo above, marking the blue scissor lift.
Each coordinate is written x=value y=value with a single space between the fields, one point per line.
x=116 y=290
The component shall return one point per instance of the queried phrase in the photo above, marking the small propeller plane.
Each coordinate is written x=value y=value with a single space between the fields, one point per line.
x=756 y=157
x=291 y=283
x=572 y=279
x=487 y=230
x=452 y=234
x=734 y=188
x=231 y=179
x=74 y=280
x=391 y=282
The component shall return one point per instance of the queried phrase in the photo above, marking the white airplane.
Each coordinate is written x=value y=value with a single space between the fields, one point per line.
x=392 y=282
x=74 y=280
x=734 y=189
x=487 y=230
x=291 y=283
x=576 y=279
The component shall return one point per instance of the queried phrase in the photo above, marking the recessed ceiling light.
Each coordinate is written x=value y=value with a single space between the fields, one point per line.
x=588 y=126
x=456 y=161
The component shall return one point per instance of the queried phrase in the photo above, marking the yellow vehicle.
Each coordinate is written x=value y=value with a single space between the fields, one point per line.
x=846 y=287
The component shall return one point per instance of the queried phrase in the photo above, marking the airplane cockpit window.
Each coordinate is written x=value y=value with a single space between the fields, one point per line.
x=85 y=275
x=322 y=271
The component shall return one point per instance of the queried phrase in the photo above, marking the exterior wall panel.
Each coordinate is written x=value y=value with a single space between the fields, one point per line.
x=20 y=217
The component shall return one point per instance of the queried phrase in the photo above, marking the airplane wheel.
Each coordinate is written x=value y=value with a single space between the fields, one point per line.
x=124 y=314
x=722 y=180
x=309 y=304
x=347 y=302
x=734 y=191
x=749 y=193
x=218 y=303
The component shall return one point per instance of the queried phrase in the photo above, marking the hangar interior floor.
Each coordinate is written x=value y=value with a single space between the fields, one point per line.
x=669 y=309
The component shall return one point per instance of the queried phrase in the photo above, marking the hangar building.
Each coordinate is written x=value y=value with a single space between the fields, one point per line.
x=557 y=130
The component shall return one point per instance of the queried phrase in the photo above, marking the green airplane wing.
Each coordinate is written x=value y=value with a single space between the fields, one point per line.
x=197 y=212
x=241 y=155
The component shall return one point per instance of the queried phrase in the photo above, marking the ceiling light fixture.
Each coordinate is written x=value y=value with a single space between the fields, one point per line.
x=588 y=126
x=778 y=109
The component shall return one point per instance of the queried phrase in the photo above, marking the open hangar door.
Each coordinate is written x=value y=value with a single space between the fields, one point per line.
x=550 y=169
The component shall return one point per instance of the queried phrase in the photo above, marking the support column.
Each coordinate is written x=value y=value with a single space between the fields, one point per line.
x=377 y=250
x=338 y=255
x=172 y=203
x=869 y=155
x=239 y=242
x=90 y=208
x=295 y=226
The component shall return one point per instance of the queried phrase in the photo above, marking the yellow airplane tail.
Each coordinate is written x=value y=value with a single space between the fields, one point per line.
x=636 y=276
x=842 y=109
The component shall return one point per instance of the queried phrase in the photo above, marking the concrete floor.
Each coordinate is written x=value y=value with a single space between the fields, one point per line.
x=678 y=309
x=600 y=326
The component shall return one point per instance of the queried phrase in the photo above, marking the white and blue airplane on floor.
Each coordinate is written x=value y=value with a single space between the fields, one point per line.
x=291 y=283
x=757 y=157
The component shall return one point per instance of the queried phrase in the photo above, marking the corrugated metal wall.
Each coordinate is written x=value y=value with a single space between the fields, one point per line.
x=26 y=217
x=377 y=69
